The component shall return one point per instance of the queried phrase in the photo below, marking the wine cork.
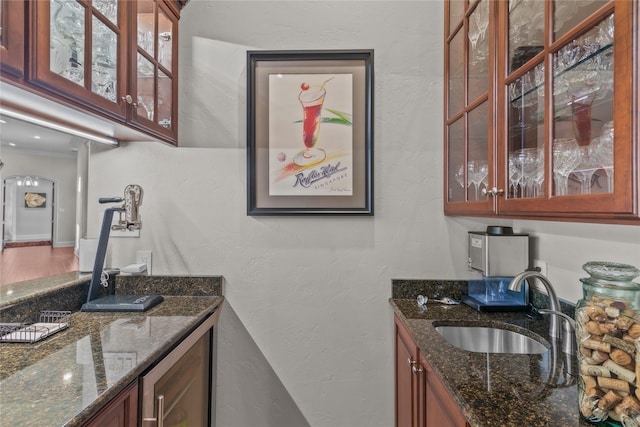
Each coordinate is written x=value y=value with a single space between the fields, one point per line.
x=597 y=345
x=588 y=381
x=595 y=313
x=619 y=343
x=612 y=311
x=593 y=328
x=609 y=400
x=634 y=331
x=594 y=370
x=613 y=384
x=622 y=373
x=599 y=356
x=637 y=359
x=621 y=357
x=624 y=323
x=628 y=405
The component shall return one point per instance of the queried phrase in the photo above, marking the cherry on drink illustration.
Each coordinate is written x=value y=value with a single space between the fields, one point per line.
x=312 y=99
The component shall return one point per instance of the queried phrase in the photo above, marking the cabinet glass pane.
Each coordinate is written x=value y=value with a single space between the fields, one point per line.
x=165 y=37
x=583 y=114
x=165 y=101
x=526 y=135
x=455 y=162
x=146 y=27
x=569 y=13
x=526 y=31
x=456 y=76
x=146 y=91
x=67 y=40
x=104 y=60
x=456 y=11
x=109 y=8
x=478 y=146
x=478 y=51
x=185 y=387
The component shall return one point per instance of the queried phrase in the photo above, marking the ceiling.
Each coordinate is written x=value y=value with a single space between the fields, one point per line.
x=19 y=135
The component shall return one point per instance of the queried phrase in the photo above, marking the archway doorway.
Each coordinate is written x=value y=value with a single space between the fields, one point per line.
x=28 y=211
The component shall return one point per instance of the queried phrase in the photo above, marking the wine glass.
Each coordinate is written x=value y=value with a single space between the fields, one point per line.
x=148 y=103
x=566 y=156
x=474 y=32
x=459 y=175
x=601 y=150
x=585 y=169
x=482 y=17
x=515 y=175
x=527 y=160
x=477 y=170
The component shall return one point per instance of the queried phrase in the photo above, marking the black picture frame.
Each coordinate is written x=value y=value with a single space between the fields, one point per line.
x=292 y=167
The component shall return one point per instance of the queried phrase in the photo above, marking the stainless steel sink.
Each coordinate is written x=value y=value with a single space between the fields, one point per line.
x=482 y=339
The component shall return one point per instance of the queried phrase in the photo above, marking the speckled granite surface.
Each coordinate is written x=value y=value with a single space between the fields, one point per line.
x=492 y=389
x=68 y=377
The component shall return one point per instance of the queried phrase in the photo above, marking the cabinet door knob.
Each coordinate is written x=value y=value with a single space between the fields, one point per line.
x=492 y=192
x=129 y=100
x=417 y=369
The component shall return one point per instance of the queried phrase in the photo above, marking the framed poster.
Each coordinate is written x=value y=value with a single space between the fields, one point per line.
x=309 y=132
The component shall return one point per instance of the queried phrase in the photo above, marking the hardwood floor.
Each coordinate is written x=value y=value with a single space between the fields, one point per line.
x=32 y=262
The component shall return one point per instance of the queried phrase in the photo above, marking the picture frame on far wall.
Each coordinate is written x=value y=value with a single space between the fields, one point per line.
x=310 y=132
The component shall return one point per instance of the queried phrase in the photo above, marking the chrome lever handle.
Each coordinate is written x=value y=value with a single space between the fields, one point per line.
x=159 y=419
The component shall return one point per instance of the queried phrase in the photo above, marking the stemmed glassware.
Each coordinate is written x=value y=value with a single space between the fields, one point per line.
x=585 y=169
x=527 y=160
x=474 y=32
x=566 y=156
x=459 y=175
x=481 y=15
x=515 y=175
x=601 y=150
x=477 y=171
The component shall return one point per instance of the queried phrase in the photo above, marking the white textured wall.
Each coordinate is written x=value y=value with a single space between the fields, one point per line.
x=309 y=338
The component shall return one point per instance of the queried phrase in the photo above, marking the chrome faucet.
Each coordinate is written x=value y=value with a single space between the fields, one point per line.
x=516 y=284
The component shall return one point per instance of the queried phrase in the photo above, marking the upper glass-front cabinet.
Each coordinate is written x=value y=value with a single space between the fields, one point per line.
x=12 y=38
x=156 y=69
x=117 y=56
x=563 y=138
x=469 y=103
x=77 y=51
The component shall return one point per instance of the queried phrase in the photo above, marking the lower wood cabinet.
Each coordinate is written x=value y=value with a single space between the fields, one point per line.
x=122 y=411
x=422 y=400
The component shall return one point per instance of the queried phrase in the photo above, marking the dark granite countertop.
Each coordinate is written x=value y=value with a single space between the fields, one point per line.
x=66 y=378
x=492 y=389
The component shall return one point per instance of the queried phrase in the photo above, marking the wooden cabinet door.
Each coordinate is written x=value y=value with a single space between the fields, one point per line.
x=544 y=94
x=406 y=384
x=469 y=103
x=122 y=411
x=77 y=53
x=567 y=131
x=440 y=408
x=153 y=78
x=12 y=38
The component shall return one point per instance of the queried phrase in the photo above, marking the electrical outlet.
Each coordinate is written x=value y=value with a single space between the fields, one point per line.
x=144 y=257
x=542 y=265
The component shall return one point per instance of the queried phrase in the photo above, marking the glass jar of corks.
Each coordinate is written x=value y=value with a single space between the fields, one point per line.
x=608 y=338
